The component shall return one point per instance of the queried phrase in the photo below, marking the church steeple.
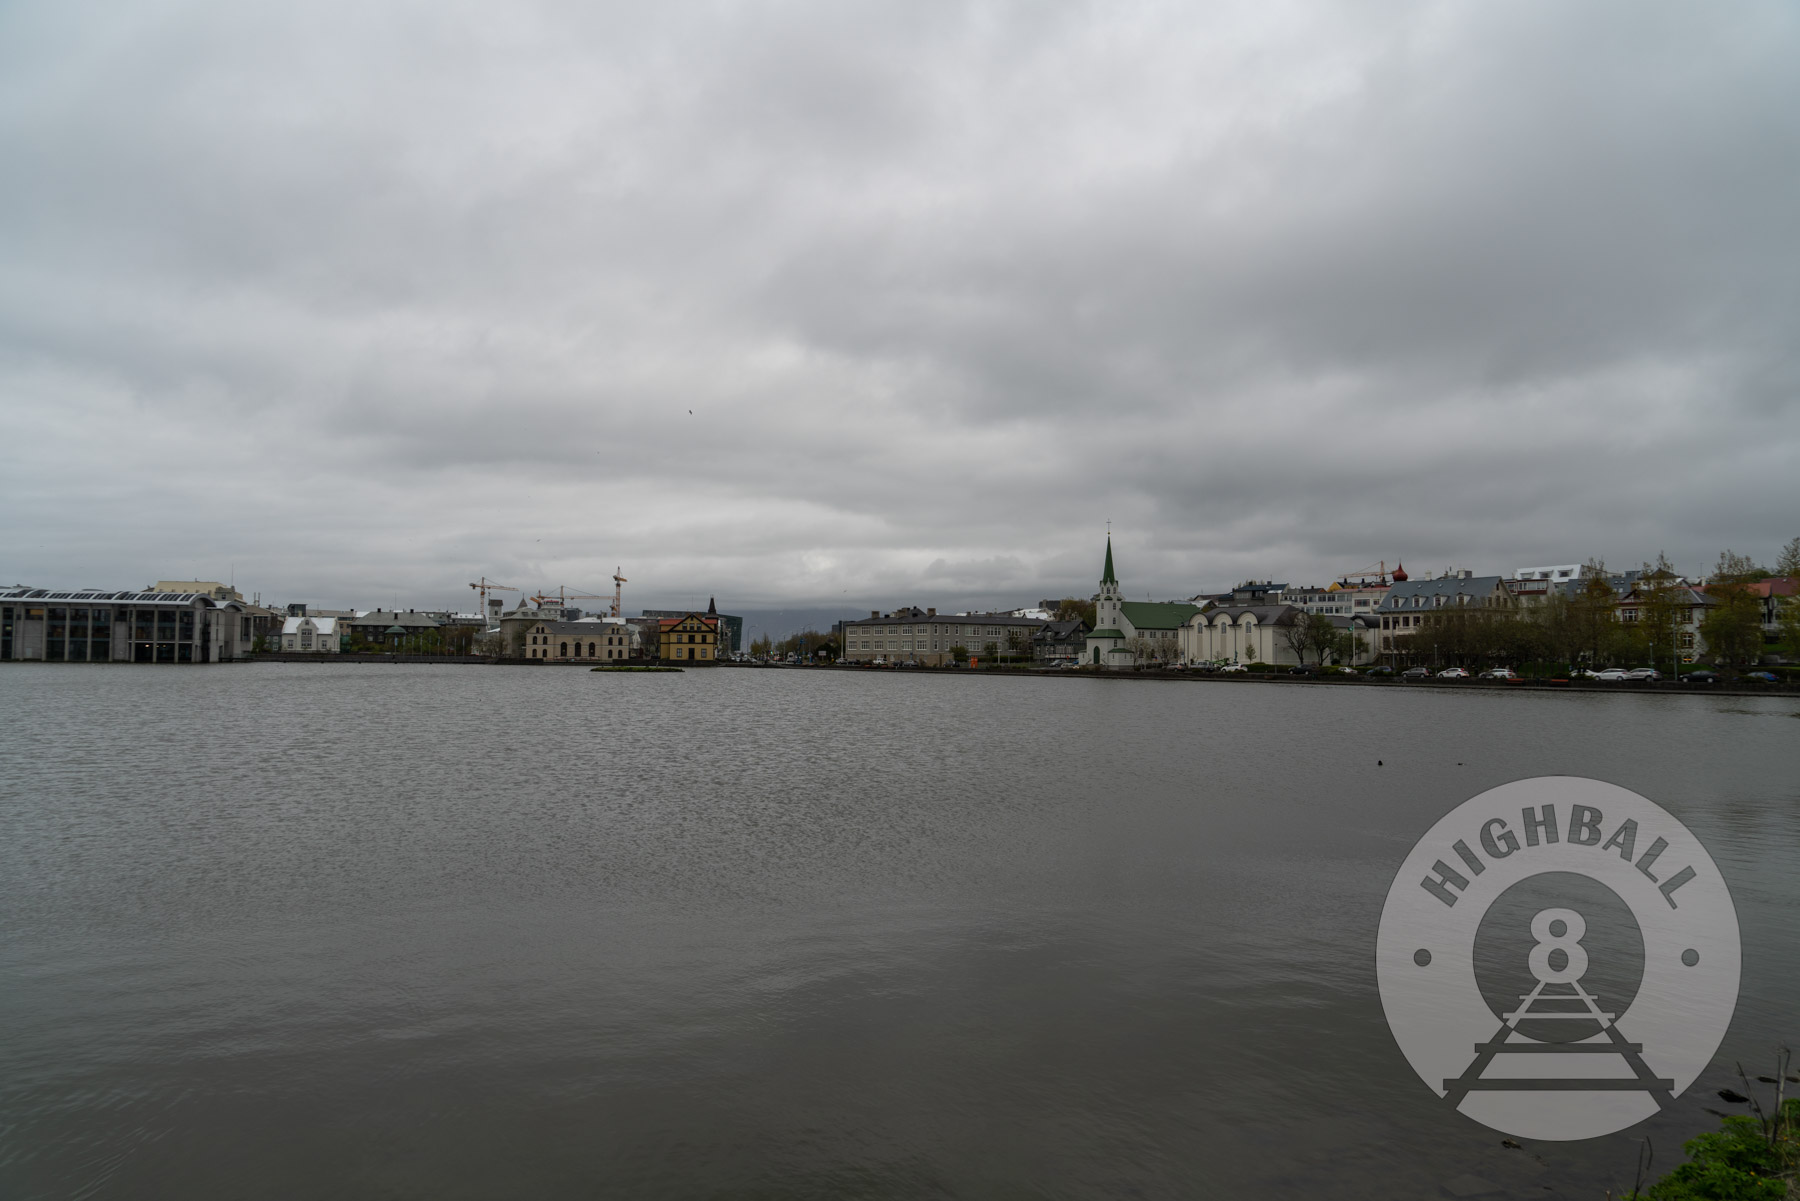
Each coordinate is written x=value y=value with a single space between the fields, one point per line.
x=1107 y=576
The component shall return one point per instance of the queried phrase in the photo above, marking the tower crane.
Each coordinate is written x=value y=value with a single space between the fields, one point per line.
x=618 y=591
x=486 y=586
x=1379 y=570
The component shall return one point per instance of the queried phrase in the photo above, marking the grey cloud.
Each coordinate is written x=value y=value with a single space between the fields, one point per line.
x=944 y=288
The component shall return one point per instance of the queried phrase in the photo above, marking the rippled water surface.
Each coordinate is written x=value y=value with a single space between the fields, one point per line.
x=470 y=932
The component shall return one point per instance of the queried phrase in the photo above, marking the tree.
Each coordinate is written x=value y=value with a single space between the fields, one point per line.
x=1322 y=636
x=1018 y=641
x=1593 y=614
x=1733 y=624
x=959 y=652
x=1789 y=563
x=1298 y=635
x=1660 y=596
x=1074 y=609
x=1787 y=625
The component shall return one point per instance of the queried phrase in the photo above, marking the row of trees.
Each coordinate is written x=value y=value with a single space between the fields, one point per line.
x=1314 y=634
x=1584 y=627
x=807 y=643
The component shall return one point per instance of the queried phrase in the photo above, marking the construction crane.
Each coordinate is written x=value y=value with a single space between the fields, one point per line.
x=486 y=586
x=563 y=597
x=1379 y=570
x=618 y=591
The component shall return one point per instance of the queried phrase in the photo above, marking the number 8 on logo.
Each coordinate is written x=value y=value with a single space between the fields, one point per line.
x=1551 y=941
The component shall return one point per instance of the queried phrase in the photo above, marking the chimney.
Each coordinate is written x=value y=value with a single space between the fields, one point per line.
x=874 y=614
x=931 y=612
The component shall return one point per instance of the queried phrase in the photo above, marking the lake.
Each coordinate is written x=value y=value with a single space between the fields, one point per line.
x=467 y=932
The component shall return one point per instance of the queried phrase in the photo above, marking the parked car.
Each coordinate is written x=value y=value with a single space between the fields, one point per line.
x=1416 y=673
x=1303 y=670
x=1499 y=673
x=1704 y=676
x=1235 y=667
x=1643 y=674
x=1611 y=675
x=1453 y=673
x=1767 y=677
x=1380 y=669
x=1341 y=670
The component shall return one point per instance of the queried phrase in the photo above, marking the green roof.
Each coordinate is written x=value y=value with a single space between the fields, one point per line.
x=1157 y=615
x=1107 y=577
x=1108 y=632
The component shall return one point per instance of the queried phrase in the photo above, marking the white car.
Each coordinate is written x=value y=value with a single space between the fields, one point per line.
x=1643 y=673
x=1234 y=667
x=1613 y=675
x=1499 y=673
x=1453 y=673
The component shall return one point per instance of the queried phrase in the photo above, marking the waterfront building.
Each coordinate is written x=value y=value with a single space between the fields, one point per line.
x=1340 y=599
x=690 y=637
x=1129 y=633
x=514 y=624
x=568 y=641
x=376 y=626
x=311 y=635
x=731 y=628
x=1060 y=641
x=1687 y=606
x=1240 y=634
x=90 y=626
x=927 y=637
x=262 y=627
x=212 y=588
x=1775 y=593
x=1404 y=609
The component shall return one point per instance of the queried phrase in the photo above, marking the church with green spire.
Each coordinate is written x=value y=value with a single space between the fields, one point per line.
x=1127 y=633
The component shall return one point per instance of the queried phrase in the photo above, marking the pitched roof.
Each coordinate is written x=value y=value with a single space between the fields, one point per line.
x=669 y=623
x=1157 y=615
x=388 y=617
x=1262 y=615
x=1401 y=594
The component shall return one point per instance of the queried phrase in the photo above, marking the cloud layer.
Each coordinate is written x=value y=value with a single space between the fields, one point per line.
x=820 y=303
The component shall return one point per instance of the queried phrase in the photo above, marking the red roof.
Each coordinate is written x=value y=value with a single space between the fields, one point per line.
x=1776 y=585
x=669 y=623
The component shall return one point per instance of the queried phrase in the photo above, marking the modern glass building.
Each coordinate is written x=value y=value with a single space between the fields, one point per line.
x=39 y=625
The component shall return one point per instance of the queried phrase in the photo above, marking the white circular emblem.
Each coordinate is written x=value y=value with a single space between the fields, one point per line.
x=1558 y=958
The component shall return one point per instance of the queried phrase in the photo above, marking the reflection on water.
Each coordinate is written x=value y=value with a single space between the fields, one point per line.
x=468 y=931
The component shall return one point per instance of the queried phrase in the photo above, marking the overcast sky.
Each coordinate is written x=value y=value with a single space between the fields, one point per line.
x=820 y=304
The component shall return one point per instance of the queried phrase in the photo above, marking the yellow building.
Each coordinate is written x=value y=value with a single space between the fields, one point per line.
x=692 y=637
x=568 y=641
